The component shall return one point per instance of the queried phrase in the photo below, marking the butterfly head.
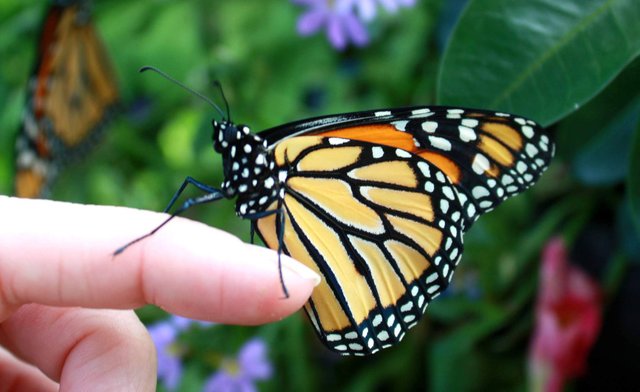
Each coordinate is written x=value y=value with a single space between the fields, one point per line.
x=245 y=160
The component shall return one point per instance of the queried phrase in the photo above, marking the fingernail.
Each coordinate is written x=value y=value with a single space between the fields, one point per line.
x=301 y=270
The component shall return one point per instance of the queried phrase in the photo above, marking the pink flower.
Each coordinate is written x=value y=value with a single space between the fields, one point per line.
x=568 y=319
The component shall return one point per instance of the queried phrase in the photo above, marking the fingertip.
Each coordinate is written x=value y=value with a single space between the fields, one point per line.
x=301 y=270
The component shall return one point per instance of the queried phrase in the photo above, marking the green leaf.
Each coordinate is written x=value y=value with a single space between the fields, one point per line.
x=177 y=138
x=605 y=160
x=633 y=180
x=457 y=353
x=575 y=131
x=539 y=58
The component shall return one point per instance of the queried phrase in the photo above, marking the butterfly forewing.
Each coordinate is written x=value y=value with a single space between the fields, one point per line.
x=488 y=156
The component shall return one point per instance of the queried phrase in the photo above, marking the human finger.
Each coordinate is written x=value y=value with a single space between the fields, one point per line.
x=187 y=268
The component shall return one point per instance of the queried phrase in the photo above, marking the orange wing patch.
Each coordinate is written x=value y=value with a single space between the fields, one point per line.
x=384 y=134
x=388 y=135
x=29 y=183
x=505 y=133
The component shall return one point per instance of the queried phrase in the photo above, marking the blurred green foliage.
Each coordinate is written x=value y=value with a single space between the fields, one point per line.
x=532 y=57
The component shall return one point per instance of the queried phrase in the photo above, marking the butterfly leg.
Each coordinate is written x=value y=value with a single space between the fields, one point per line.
x=252 y=232
x=208 y=198
x=280 y=229
x=189 y=180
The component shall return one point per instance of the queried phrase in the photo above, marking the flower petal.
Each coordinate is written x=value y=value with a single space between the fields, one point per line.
x=355 y=30
x=311 y=21
x=220 y=381
x=253 y=360
x=163 y=334
x=366 y=9
x=335 y=32
x=170 y=371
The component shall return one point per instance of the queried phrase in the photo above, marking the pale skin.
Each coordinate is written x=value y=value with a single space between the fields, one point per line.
x=66 y=319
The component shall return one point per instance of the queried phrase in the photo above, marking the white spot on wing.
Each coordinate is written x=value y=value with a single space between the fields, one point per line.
x=424 y=168
x=448 y=192
x=466 y=134
x=351 y=335
x=429 y=187
x=269 y=182
x=480 y=164
x=402 y=153
x=479 y=192
x=418 y=112
x=527 y=131
x=440 y=143
x=521 y=167
x=429 y=126
x=400 y=125
x=382 y=113
x=469 y=122
x=507 y=179
x=333 y=337
x=406 y=307
x=444 y=205
x=336 y=141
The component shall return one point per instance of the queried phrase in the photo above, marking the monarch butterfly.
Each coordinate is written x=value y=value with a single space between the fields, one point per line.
x=71 y=92
x=376 y=202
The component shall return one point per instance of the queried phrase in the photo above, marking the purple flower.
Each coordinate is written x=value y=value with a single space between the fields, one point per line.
x=341 y=23
x=241 y=373
x=164 y=335
x=183 y=323
x=343 y=26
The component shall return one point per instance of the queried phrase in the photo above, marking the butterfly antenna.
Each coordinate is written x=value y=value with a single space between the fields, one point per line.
x=197 y=94
x=226 y=103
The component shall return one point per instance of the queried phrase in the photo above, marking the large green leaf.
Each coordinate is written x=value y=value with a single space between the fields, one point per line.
x=580 y=128
x=539 y=58
x=605 y=159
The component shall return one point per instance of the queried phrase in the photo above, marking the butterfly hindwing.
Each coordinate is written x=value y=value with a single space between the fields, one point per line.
x=382 y=227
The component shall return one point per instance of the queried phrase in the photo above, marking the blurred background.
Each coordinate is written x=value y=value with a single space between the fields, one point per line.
x=572 y=67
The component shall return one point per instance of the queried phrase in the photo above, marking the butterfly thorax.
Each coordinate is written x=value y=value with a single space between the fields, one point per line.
x=248 y=167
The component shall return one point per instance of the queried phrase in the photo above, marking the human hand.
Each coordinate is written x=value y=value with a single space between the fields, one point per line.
x=65 y=302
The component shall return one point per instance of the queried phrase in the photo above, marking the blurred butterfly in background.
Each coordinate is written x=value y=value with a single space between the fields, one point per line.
x=376 y=202
x=72 y=91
